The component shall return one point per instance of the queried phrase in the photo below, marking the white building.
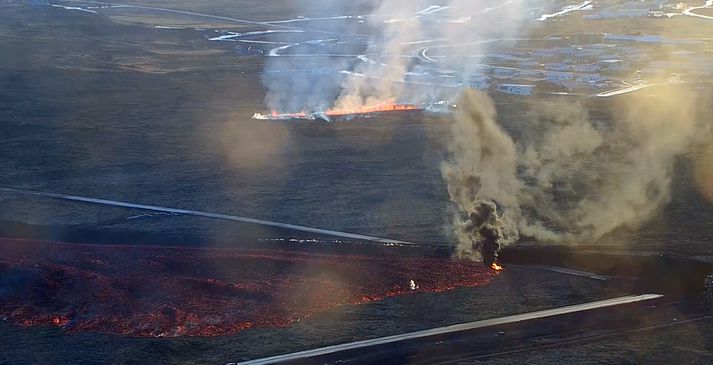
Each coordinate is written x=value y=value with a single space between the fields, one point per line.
x=557 y=66
x=531 y=74
x=504 y=72
x=556 y=77
x=586 y=67
x=614 y=65
x=516 y=89
x=481 y=82
x=589 y=79
x=648 y=38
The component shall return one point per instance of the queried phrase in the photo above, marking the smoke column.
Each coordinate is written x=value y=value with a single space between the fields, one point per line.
x=568 y=178
x=399 y=34
x=481 y=172
x=388 y=48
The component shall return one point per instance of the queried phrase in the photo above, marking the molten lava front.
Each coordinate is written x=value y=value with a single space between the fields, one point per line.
x=380 y=108
x=341 y=112
x=161 y=291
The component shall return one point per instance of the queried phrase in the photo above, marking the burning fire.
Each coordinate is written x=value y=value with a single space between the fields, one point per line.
x=340 y=112
x=387 y=107
x=496 y=267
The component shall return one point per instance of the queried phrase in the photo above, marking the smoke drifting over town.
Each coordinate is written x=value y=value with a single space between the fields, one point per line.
x=567 y=177
x=400 y=32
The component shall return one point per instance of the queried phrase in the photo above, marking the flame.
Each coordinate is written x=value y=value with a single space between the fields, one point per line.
x=378 y=108
x=341 y=111
x=496 y=267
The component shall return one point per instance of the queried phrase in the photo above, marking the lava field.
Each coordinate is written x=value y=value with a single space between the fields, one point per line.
x=154 y=291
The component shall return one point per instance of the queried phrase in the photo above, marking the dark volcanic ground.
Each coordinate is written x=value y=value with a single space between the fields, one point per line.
x=154 y=291
x=94 y=108
x=183 y=137
x=511 y=292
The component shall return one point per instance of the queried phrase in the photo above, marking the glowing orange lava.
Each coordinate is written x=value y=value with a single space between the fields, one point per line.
x=496 y=267
x=341 y=111
x=387 y=107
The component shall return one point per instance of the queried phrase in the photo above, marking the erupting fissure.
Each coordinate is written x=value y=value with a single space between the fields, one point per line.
x=344 y=112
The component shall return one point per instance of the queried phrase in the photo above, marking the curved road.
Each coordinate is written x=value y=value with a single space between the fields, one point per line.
x=690 y=11
x=217 y=17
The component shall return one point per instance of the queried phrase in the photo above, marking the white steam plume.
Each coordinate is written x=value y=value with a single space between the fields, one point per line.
x=391 y=69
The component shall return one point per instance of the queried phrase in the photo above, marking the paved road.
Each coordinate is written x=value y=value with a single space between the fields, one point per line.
x=211 y=16
x=314 y=355
x=627 y=90
x=690 y=11
x=567 y=9
x=196 y=213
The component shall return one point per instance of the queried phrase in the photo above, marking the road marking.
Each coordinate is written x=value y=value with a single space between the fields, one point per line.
x=210 y=16
x=455 y=328
x=564 y=270
x=207 y=215
x=565 y=10
x=561 y=344
x=627 y=90
x=689 y=11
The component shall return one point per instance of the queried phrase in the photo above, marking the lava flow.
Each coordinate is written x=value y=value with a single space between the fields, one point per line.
x=340 y=112
x=168 y=291
x=380 y=108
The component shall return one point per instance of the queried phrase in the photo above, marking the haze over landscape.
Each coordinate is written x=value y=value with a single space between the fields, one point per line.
x=247 y=179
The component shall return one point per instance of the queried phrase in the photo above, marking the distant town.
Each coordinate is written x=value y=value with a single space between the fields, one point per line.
x=589 y=48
